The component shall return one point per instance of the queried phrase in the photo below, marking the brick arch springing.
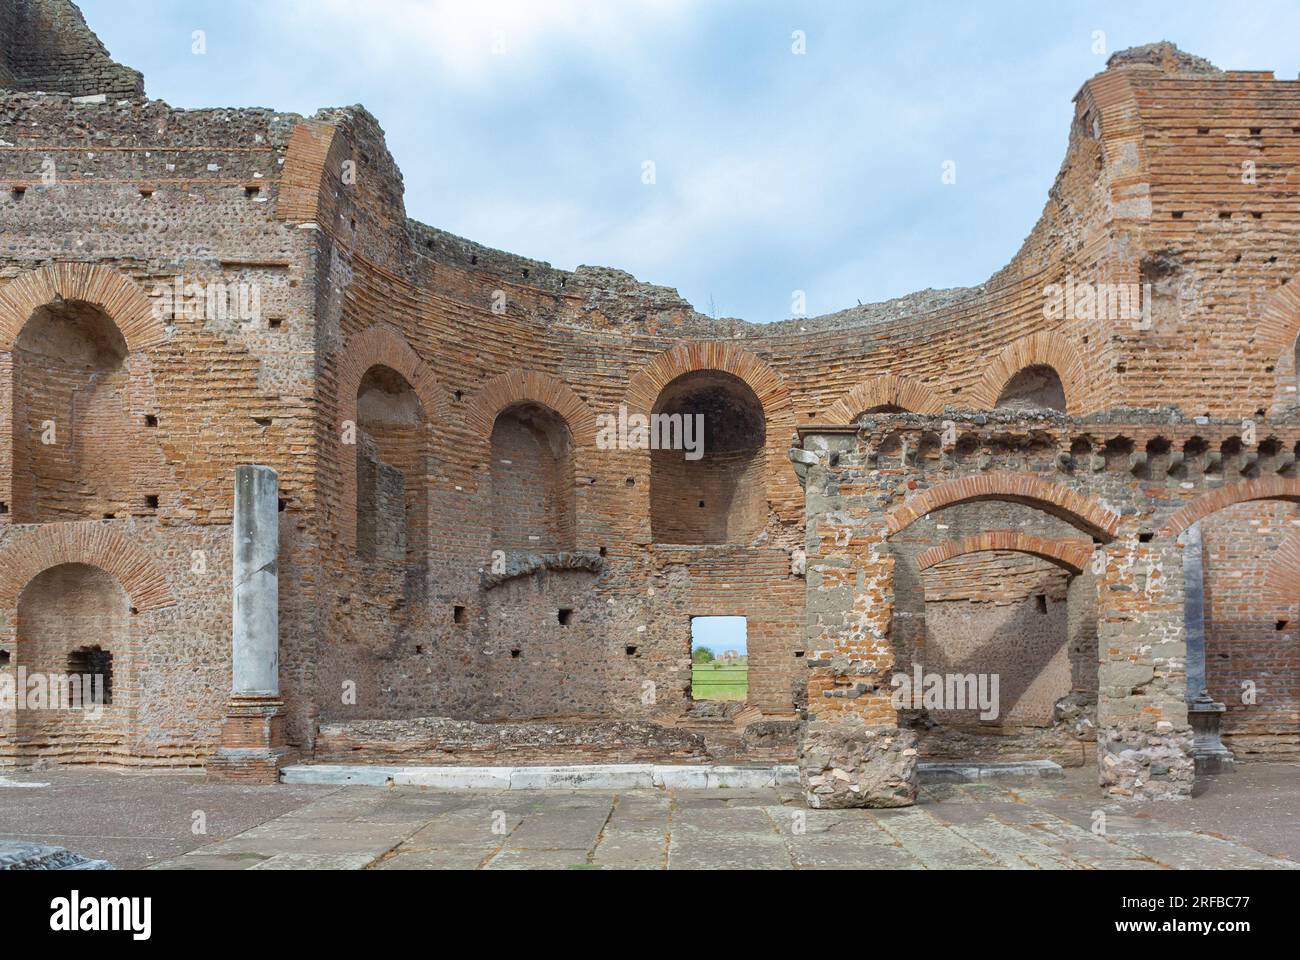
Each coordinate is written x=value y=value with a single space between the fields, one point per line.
x=886 y=390
x=377 y=346
x=1038 y=349
x=121 y=298
x=1072 y=555
x=1260 y=488
x=1283 y=577
x=529 y=386
x=92 y=544
x=783 y=492
x=311 y=175
x=1279 y=319
x=1059 y=501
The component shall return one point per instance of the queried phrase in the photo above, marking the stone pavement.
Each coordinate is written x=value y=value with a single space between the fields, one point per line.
x=1043 y=824
x=1028 y=825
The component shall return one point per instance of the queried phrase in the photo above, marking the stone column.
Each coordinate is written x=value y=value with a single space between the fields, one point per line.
x=256 y=593
x=252 y=739
x=1205 y=714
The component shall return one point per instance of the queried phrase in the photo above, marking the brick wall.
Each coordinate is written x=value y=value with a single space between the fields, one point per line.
x=512 y=360
x=1251 y=634
x=45 y=45
x=532 y=482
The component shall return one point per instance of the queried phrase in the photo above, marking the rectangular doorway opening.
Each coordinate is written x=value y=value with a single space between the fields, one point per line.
x=719 y=658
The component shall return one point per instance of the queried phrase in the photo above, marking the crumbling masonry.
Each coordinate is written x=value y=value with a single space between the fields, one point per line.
x=1079 y=477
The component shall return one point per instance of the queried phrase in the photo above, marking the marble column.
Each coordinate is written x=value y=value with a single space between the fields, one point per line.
x=253 y=746
x=256 y=594
x=1204 y=714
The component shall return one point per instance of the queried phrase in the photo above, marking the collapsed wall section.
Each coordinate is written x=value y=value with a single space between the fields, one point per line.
x=46 y=46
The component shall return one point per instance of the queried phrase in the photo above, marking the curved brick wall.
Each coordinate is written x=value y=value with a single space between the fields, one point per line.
x=310 y=212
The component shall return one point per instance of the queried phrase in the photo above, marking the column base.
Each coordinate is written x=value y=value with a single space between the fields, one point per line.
x=847 y=764
x=1211 y=756
x=253 y=745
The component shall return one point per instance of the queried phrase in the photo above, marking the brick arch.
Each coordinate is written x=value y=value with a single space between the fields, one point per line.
x=768 y=385
x=1072 y=555
x=1260 y=488
x=1283 y=577
x=381 y=346
x=783 y=492
x=1038 y=349
x=120 y=297
x=529 y=386
x=1060 y=501
x=310 y=177
x=377 y=346
x=1276 y=334
x=1279 y=319
x=912 y=395
x=93 y=544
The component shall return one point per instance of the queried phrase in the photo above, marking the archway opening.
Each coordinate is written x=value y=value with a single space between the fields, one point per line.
x=1295 y=397
x=392 y=468
x=74 y=632
x=1036 y=387
x=711 y=486
x=1004 y=615
x=533 y=504
x=1252 y=657
x=71 y=416
x=984 y=621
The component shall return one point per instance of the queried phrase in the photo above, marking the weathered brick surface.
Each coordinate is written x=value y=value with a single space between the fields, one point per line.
x=46 y=45
x=1119 y=655
x=427 y=401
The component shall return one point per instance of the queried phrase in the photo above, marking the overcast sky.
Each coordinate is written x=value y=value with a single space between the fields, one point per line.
x=528 y=125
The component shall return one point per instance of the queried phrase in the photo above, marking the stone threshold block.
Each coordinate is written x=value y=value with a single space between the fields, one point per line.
x=848 y=764
x=595 y=776
x=37 y=856
x=972 y=772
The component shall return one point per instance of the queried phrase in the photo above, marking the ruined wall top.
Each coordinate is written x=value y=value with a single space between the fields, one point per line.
x=46 y=46
x=1164 y=55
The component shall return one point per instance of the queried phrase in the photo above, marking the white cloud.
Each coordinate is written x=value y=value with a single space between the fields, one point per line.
x=469 y=38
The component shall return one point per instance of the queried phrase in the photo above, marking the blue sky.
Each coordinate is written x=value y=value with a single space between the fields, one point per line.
x=720 y=634
x=526 y=124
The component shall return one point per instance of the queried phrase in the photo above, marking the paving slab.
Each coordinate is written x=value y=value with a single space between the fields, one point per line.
x=1245 y=821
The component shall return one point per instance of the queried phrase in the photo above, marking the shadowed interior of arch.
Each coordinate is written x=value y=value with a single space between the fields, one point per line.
x=532 y=469
x=1036 y=387
x=393 y=448
x=719 y=496
x=75 y=619
x=71 y=425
